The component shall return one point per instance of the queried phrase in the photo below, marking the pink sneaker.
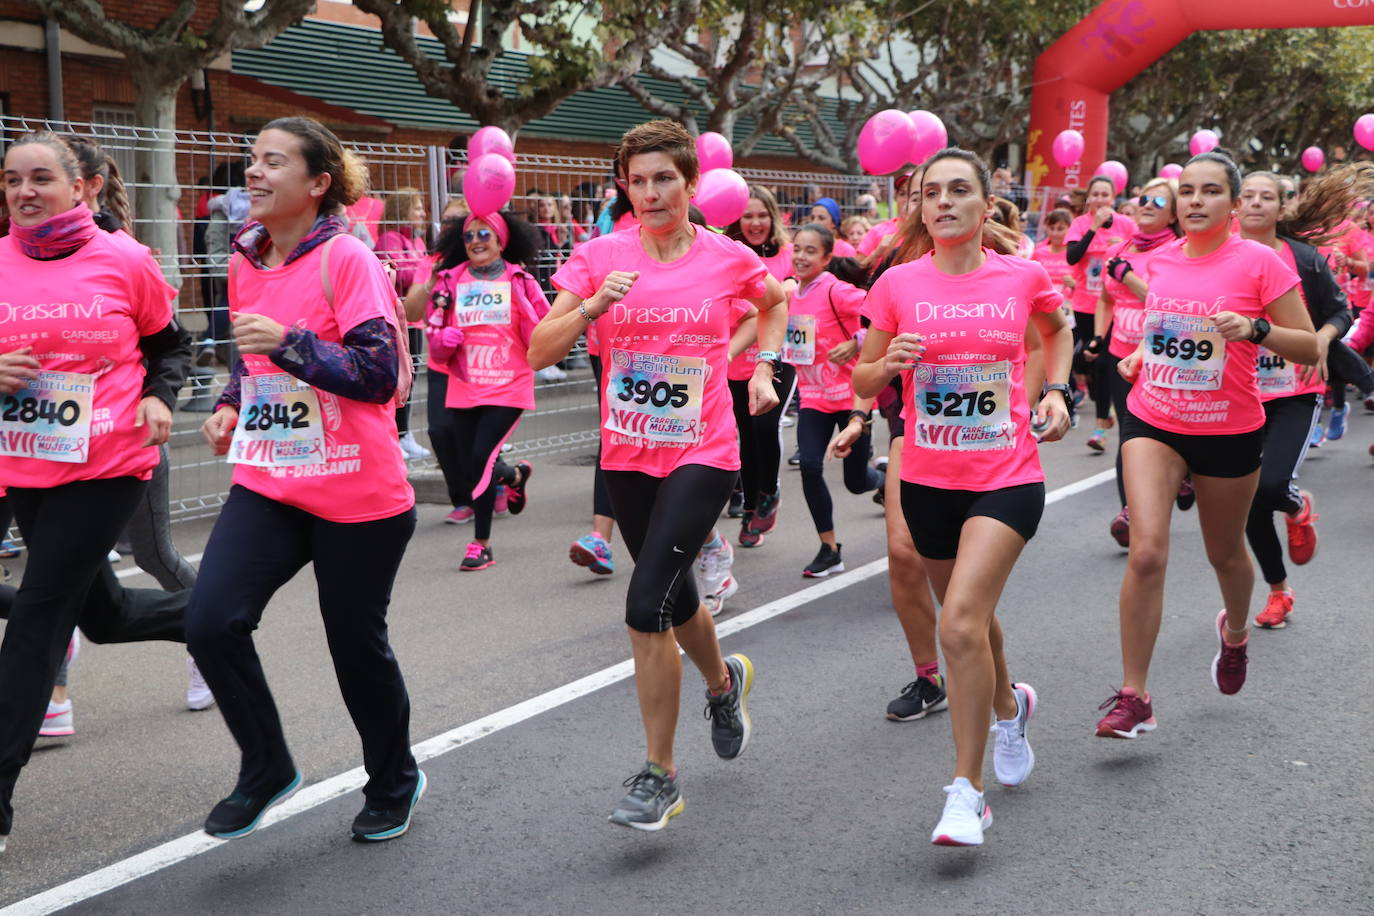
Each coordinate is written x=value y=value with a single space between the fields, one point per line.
x=1131 y=715
x=460 y=516
x=501 y=508
x=478 y=557
x=1228 y=668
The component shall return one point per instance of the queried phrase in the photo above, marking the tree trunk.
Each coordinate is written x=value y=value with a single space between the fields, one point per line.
x=155 y=168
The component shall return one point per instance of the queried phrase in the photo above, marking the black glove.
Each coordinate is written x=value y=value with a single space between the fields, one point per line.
x=1118 y=267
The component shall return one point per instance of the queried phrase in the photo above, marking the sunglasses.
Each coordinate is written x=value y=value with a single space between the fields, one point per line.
x=480 y=235
x=1159 y=202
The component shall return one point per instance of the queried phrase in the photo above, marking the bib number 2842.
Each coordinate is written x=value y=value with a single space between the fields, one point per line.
x=279 y=423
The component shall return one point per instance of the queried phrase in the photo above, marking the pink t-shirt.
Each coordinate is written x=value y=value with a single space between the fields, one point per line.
x=1128 y=312
x=665 y=348
x=82 y=314
x=742 y=367
x=1088 y=272
x=813 y=328
x=1279 y=378
x=875 y=236
x=1358 y=289
x=843 y=249
x=1056 y=264
x=1191 y=380
x=965 y=403
x=493 y=351
x=363 y=476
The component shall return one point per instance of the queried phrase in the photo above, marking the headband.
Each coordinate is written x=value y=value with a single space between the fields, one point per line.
x=495 y=221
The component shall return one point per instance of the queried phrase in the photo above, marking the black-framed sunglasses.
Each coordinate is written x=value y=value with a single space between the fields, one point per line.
x=1159 y=202
x=477 y=235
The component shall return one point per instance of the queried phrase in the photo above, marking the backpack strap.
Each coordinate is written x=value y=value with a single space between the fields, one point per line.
x=830 y=297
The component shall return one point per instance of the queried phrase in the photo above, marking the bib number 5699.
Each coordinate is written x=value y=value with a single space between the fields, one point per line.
x=1174 y=348
x=659 y=394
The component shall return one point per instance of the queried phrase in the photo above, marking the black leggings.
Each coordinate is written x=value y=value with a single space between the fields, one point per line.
x=760 y=438
x=601 y=499
x=1288 y=426
x=1098 y=388
x=1120 y=389
x=664 y=521
x=480 y=432
x=69 y=530
x=441 y=437
x=814 y=429
x=256 y=547
x=416 y=338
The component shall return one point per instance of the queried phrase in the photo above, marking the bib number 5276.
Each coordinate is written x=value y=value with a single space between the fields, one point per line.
x=960 y=404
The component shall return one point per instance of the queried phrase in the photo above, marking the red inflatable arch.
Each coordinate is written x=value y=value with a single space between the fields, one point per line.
x=1120 y=38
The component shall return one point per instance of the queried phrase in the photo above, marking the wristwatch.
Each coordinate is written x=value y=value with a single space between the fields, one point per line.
x=1262 y=327
x=1063 y=389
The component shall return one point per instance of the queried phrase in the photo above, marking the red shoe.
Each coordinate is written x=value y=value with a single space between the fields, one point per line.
x=1228 y=668
x=1302 y=531
x=1121 y=527
x=1129 y=717
x=1276 y=610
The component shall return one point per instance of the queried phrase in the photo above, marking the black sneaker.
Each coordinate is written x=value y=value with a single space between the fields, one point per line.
x=730 y=725
x=515 y=492
x=653 y=799
x=827 y=561
x=1186 y=496
x=735 y=508
x=240 y=814
x=795 y=459
x=919 y=698
x=373 y=825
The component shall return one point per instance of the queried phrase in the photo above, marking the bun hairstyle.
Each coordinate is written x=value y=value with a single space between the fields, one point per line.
x=658 y=136
x=324 y=154
x=114 y=199
x=1224 y=159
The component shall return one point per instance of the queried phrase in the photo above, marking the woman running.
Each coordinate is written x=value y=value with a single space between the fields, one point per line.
x=308 y=418
x=972 y=487
x=1292 y=395
x=483 y=308
x=760 y=437
x=402 y=245
x=665 y=299
x=1195 y=409
x=822 y=329
x=81 y=419
x=1090 y=237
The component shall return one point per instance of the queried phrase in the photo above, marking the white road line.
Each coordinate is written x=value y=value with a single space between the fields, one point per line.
x=193 y=844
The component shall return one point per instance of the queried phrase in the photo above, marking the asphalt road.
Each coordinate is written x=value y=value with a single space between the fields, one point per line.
x=1250 y=803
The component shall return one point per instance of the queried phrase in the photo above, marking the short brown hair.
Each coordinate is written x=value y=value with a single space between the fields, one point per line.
x=658 y=136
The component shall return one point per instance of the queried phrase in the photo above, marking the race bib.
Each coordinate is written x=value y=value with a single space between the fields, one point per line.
x=655 y=396
x=1277 y=376
x=1183 y=352
x=964 y=408
x=799 y=347
x=481 y=302
x=50 y=418
x=279 y=423
x=1094 y=275
x=1128 y=326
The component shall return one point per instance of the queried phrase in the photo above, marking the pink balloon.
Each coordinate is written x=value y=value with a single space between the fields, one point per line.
x=489 y=184
x=885 y=142
x=490 y=139
x=714 y=152
x=1116 y=172
x=722 y=195
x=1171 y=170
x=1067 y=148
x=931 y=136
x=1203 y=141
x=1364 y=131
x=1313 y=159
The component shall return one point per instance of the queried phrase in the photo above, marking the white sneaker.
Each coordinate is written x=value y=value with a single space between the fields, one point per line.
x=1012 y=757
x=715 y=603
x=787 y=421
x=966 y=816
x=198 y=695
x=412 y=449
x=112 y=556
x=550 y=374
x=713 y=566
x=57 y=722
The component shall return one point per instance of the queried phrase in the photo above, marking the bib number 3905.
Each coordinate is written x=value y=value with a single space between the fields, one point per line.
x=964 y=408
x=50 y=418
x=279 y=423
x=656 y=396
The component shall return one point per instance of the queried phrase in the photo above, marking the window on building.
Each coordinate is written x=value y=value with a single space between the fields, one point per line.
x=112 y=123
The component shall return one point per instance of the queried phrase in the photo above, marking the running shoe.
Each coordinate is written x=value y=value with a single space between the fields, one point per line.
x=459 y=516
x=1369 y=401
x=794 y=460
x=748 y=537
x=412 y=449
x=966 y=816
x=766 y=515
x=74 y=646
x=1276 y=610
x=1228 y=668
x=477 y=557
x=712 y=567
x=112 y=556
x=730 y=724
x=1077 y=399
x=240 y=814
x=592 y=551
x=1335 y=428
x=715 y=602
x=788 y=420
x=1302 y=531
x=1186 y=495
x=919 y=699
x=500 y=508
x=735 y=507
x=515 y=492
x=1012 y=757
x=654 y=798
x=1121 y=527
x=550 y=374
x=827 y=561
x=57 y=721
x=9 y=550
x=198 y=695
x=375 y=825
x=1318 y=437
x=1130 y=715
x=1098 y=440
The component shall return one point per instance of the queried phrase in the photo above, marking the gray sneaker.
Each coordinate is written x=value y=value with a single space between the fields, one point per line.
x=653 y=799
x=730 y=725
x=919 y=699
